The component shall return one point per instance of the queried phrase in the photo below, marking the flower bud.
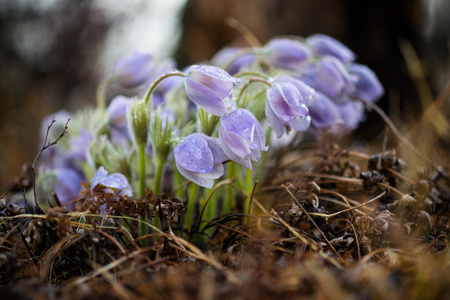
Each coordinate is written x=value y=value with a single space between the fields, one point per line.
x=138 y=118
x=285 y=109
x=211 y=88
x=242 y=137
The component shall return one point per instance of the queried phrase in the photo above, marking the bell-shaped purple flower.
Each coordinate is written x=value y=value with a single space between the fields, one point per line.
x=330 y=77
x=352 y=113
x=199 y=158
x=287 y=54
x=79 y=147
x=68 y=185
x=367 y=86
x=322 y=44
x=307 y=92
x=211 y=88
x=242 y=137
x=240 y=63
x=134 y=70
x=325 y=115
x=116 y=116
x=114 y=183
x=285 y=109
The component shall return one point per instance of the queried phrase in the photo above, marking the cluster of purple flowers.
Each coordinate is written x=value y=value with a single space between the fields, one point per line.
x=309 y=84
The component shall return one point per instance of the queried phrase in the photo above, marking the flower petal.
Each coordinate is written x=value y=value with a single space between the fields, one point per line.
x=194 y=155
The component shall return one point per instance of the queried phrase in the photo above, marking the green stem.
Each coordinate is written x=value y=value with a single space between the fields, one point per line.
x=191 y=205
x=158 y=175
x=142 y=186
x=141 y=162
x=247 y=84
x=101 y=92
x=228 y=202
x=157 y=81
x=252 y=73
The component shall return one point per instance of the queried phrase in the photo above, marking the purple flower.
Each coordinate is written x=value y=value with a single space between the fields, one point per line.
x=114 y=183
x=285 y=109
x=322 y=44
x=325 y=115
x=199 y=158
x=242 y=137
x=53 y=157
x=134 y=70
x=367 y=86
x=352 y=113
x=79 y=147
x=307 y=92
x=68 y=186
x=330 y=77
x=116 y=115
x=287 y=54
x=210 y=88
x=239 y=64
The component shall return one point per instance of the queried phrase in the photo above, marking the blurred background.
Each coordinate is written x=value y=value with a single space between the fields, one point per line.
x=53 y=53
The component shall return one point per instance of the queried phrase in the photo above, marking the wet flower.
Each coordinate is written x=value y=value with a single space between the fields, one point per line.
x=287 y=54
x=367 y=86
x=114 y=183
x=242 y=137
x=285 y=109
x=307 y=92
x=134 y=70
x=199 y=158
x=68 y=185
x=210 y=88
x=240 y=63
x=330 y=77
x=322 y=44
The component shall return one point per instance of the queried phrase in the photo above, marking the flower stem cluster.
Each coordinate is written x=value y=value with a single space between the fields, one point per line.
x=211 y=114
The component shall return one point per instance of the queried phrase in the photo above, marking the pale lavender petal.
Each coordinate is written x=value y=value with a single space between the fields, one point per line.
x=232 y=144
x=134 y=70
x=300 y=123
x=241 y=63
x=194 y=155
x=325 y=45
x=115 y=182
x=275 y=123
x=305 y=90
x=205 y=97
x=202 y=179
x=116 y=113
x=367 y=87
x=216 y=149
x=68 y=186
x=324 y=112
x=287 y=54
x=352 y=113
